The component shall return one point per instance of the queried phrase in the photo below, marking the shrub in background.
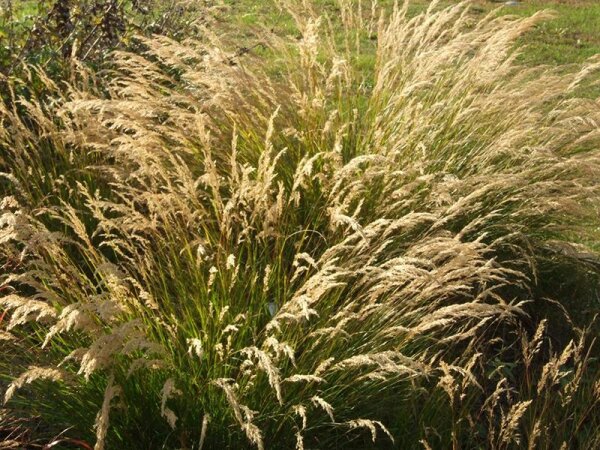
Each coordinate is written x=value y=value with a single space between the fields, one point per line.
x=50 y=32
x=339 y=252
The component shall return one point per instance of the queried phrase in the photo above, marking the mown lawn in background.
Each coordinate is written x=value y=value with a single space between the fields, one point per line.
x=570 y=38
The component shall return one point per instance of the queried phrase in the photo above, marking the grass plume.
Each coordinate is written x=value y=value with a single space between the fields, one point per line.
x=351 y=246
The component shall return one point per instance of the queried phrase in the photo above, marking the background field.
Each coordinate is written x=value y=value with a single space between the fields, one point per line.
x=570 y=38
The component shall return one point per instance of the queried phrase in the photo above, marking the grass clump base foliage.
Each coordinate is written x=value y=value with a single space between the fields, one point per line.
x=326 y=250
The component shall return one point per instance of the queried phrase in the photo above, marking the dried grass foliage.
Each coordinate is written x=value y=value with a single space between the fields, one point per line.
x=302 y=252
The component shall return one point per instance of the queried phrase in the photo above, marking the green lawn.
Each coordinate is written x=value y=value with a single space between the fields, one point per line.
x=571 y=37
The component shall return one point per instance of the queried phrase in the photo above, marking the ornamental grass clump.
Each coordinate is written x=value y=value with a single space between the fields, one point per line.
x=346 y=240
